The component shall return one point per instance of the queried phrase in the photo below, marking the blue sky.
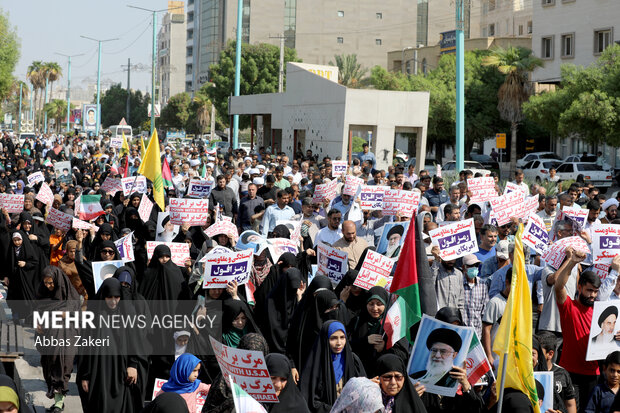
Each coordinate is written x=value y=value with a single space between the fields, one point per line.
x=49 y=26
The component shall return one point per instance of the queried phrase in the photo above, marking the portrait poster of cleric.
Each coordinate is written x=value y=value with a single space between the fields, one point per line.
x=437 y=349
x=392 y=239
x=604 y=330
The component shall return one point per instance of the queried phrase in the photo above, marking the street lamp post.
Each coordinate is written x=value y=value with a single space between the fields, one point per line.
x=235 y=142
x=19 y=116
x=45 y=103
x=460 y=85
x=98 y=80
x=68 y=88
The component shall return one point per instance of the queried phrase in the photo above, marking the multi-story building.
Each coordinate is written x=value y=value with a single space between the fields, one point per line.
x=171 y=52
x=502 y=18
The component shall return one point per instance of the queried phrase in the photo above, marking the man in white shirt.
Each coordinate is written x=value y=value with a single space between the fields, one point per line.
x=332 y=232
x=519 y=181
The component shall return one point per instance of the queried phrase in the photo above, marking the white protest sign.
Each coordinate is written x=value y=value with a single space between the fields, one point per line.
x=116 y=142
x=482 y=189
x=507 y=206
x=12 y=203
x=577 y=214
x=605 y=242
x=201 y=397
x=199 y=188
x=535 y=234
x=223 y=227
x=145 y=208
x=278 y=246
x=398 y=200
x=339 y=168
x=600 y=269
x=294 y=228
x=248 y=370
x=221 y=269
x=133 y=184
x=554 y=256
x=530 y=206
x=59 y=219
x=512 y=187
x=111 y=185
x=35 y=178
x=376 y=270
x=332 y=262
x=455 y=240
x=125 y=248
x=79 y=224
x=351 y=185
x=325 y=192
x=179 y=251
x=371 y=196
x=603 y=328
x=45 y=194
x=189 y=211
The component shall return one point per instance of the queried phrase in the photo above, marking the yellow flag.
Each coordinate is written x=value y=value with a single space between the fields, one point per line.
x=514 y=335
x=151 y=168
x=125 y=147
x=142 y=150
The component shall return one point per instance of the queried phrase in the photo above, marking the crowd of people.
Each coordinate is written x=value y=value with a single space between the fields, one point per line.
x=324 y=341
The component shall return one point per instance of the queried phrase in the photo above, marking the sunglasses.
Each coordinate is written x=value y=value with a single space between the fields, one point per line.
x=107 y=252
x=389 y=377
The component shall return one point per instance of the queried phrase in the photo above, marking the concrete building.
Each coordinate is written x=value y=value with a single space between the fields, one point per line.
x=171 y=52
x=503 y=18
x=319 y=114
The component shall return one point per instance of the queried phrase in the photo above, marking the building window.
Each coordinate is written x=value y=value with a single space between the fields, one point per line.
x=548 y=2
x=190 y=52
x=602 y=39
x=422 y=23
x=546 y=50
x=190 y=16
x=484 y=32
x=529 y=27
x=520 y=30
x=340 y=13
x=491 y=5
x=424 y=66
x=379 y=16
x=339 y=40
x=190 y=34
x=568 y=45
x=492 y=30
x=290 y=22
x=378 y=42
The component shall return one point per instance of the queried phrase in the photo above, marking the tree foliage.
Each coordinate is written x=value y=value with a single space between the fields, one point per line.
x=9 y=54
x=586 y=103
x=176 y=113
x=260 y=65
x=350 y=72
x=114 y=105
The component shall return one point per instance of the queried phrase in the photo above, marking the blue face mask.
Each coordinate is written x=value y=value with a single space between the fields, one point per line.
x=472 y=273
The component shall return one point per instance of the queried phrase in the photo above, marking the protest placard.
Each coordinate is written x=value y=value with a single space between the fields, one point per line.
x=375 y=270
x=455 y=240
x=116 y=142
x=371 y=196
x=13 y=203
x=507 y=206
x=352 y=184
x=482 y=189
x=339 y=168
x=332 y=262
x=400 y=201
x=125 y=248
x=278 y=246
x=294 y=228
x=605 y=242
x=62 y=170
x=221 y=269
x=546 y=379
x=577 y=214
x=133 y=184
x=201 y=398
x=248 y=370
x=554 y=256
x=223 y=227
x=45 y=194
x=535 y=234
x=199 y=188
x=603 y=329
x=325 y=192
x=600 y=269
x=35 y=178
x=112 y=185
x=102 y=270
x=79 y=224
x=530 y=206
x=179 y=251
x=59 y=219
x=512 y=187
x=145 y=208
x=189 y=211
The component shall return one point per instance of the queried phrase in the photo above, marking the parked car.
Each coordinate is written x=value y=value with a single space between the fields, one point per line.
x=537 y=155
x=449 y=168
x=23 y=137
x=587 y=158
x=587 y=172
x=485 y=160
x=429 y=164
x=400 y=156
x=539 y=170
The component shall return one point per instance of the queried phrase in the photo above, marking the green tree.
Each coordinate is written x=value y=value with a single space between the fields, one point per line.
x=51 y=72
x=9 y=54
x=35 y=75
x=113 y=106
x=350 y=72
x=516 y=63
x=260 y=65
x=202 y=111
x=177 y=112
x=57 y=109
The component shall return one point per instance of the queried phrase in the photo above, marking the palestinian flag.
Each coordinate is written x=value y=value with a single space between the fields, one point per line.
x=244 y=403
x=476 y=363
x=166 y=175
x=405 y=281
x=398 y=319
x=90 y=207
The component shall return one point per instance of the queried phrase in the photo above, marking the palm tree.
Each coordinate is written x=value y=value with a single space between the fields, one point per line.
x=35 y=76
x=57 y=109
x=516 y=63
x=203 y=112
x=54 y=72
x=350 y=72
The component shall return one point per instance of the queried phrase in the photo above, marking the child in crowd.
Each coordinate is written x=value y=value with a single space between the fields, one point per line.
x=603 y=395
x=184 y=380
x=564 y=393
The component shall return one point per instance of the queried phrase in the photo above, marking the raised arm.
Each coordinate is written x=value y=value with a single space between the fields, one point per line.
x=563 y=273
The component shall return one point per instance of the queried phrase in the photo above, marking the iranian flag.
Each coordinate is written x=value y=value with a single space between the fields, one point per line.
x=166 y=175
x=397 y=321
x=90 y=207
x=244 y=403
x=476 y=364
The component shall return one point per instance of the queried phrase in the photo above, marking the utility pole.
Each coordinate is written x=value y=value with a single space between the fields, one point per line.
x=19 y=116
x=282 y=37
x=235 y=142
x=128 y=105
x=460 y=86
x=45 y=103
x=68 y=89
x=98 y=80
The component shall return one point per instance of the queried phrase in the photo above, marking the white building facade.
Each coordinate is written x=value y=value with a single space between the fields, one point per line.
x=171 y=52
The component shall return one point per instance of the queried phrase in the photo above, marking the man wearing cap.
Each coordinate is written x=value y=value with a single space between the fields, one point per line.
x=250 y=205
x=444 y=345
x=476 y=294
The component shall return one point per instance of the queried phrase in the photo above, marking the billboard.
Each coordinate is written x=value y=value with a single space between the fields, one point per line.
x=447 y=42
x=89 y=117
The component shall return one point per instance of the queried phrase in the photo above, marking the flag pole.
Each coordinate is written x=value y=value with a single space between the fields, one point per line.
x=502 y=383
x=387 y=307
